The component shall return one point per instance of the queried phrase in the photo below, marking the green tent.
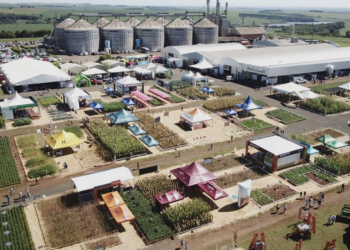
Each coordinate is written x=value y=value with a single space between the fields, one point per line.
x=81 y=77
x=336 y=144
x=325 y=139
x=122 y=116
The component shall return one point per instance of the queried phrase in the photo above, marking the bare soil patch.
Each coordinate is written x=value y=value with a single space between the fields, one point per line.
x=278 y=191
x=328 y=131
x=311 y=176
x=225 y=162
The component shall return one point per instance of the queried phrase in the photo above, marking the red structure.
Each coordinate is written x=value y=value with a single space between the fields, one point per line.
x=330 y=246
x=256 y=244
x=169 y=197
x=298 y=245
x=212 y=190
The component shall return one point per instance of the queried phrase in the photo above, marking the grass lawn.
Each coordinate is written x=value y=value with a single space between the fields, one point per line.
x=320 y=88
x=285 y=116
x=48 y=100
x=255 y=124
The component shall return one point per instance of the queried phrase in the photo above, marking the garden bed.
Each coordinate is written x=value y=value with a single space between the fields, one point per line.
x=255 y=124
x=224 y=91
x=7 y=164
x=320 y=89
x=221 y=103
x=296 y=176
x=192 y=93
x=225 y=162
x=328 y=131
x=278 y=192
x=284 y=116
x=321 y=178
x=110 y=106
x=156 y=102
x=260 y=198
x=319 y=105
x=46 y=101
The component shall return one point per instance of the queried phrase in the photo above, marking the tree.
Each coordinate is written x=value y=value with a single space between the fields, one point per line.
x=2 y=122
x=347 y=34
x=105 y=66
x=102 y=58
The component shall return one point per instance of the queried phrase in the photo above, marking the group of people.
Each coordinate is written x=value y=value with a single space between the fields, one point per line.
x=331 y=219
x=312 y=202
x=20 y=195
x=278 y=208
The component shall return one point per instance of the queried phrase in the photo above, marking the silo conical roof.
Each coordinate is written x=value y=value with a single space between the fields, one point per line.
x=149 y=24
x=132 y=21
x=65 y=23
x=81 y=25
x=205 y=22
x=178 y=23
x=100 y=22
x=188 y=20
x=162 y=21
x=117 y=24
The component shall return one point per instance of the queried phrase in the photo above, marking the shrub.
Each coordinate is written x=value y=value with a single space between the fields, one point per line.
x=156 y=102
x=7 y=164
x=111 y=106
x=27 y=141
x=38 y=161
x=31 y=152
x=224 y=91
x=221 y=103
x=319 y=105
x=2 y=122
x=42 y=171
x=192 y=93
x=22 y=122
x=75 y=130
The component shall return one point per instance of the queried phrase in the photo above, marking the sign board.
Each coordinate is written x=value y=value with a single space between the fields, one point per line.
x=166 y=113
x=208 y=160
x=227 y=124
x=7 y=232
x=224 y=248
x=115 y=183
x=3 y=212
x=147 y=170
x=99 y=248
x=5 y=223
x=156 y=120
x=8 y=244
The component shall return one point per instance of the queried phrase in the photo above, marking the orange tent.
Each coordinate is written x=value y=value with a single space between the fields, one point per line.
x=112 y=199
x=121 y=213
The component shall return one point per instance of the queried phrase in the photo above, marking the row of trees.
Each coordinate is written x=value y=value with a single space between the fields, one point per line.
x=269 y=11
x=24 y=33
x=10 y=18
x=284 y=17
x=329 y=29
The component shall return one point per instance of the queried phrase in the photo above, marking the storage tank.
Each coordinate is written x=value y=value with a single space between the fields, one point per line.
x=205 y=32
x=151 y=35
x=178 y=33
x=81 y=37
x=132 y=21
x=188 y=20
x=107 y=44
x=59 y=32
x=99 y=23
x=120 y=35
x=162 y=21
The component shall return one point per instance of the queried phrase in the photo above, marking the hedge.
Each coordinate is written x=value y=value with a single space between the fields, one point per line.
x=42 y=171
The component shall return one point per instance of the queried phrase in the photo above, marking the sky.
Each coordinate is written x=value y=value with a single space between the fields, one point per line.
x=316 y=4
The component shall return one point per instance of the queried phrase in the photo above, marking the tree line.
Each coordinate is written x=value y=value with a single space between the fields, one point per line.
x=321 y=11
x=24 y=33
x=11 y=18
x=328 y=29
x=269 y=11
x=284 y=17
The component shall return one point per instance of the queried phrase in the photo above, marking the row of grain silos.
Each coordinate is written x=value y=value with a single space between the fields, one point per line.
x=81 y=36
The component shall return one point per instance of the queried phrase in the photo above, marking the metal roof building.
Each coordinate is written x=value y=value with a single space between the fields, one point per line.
x=278 y=42
x=248 y=32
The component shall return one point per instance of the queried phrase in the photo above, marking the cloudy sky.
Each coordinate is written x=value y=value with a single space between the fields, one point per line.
x=252 y=3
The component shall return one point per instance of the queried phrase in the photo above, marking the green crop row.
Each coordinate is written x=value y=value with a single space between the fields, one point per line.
x=27 y=141
x=39 y=161
x=259 y=197
x=8 y=168
x=296 y=176
x=285 y=116
x=325 y=177
x=337 y=164
x=326 y=105
x=42 y=171
x=22 y=122
x=111 y=106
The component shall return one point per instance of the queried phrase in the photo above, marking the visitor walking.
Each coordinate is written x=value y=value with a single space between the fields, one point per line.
x=333 y=219
x=342 y=187
x=211 y=146
x=329 y=219
x=8 y=199
x=322 y=196
x=11 y=191
x=301 y=195
x=314 y=202
x=186 y=246
x=304 y=194
x=307 y=203
x=28 y=193
x=36 y=180
x=232 y=141
x=20 y=195
x=319 y=203
x=285 y=208
x=277 y=208
x=181 y=244
x=138 y=165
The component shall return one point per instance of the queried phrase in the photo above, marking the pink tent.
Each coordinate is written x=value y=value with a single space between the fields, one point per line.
x=142 y=96
x=193 y=174
x=159 y=93
x=169 y=197
x=212 y=190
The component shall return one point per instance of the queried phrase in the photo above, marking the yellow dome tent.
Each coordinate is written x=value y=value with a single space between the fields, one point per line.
x=63 y=140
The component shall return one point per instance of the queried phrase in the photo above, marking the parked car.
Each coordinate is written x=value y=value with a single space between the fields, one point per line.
x=106 y=79
x=95 y=81
x=300 y=81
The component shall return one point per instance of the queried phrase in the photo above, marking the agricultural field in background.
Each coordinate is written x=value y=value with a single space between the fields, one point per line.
x=7 y=164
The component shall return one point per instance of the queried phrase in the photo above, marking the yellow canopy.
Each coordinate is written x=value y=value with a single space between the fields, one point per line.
x=63 y=140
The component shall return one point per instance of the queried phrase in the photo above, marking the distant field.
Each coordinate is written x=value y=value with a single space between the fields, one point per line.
x=22 y=26
x=20 y=39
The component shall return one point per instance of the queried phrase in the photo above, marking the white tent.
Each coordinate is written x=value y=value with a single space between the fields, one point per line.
x=128 y=80
x=308 y=94
x=139 y=70
x=196 y=115
x=16 y=102
x=289 y=88
x=171 y=62
x=118 y=69
x=150 y=65
x=90 y=181
x=73 y=96
x=123 y=86
x=93 y=71
x=345 y=86
x=194 y=78
x=159 y=69
x=27 y=71
x=203 y=64
x=70 y=68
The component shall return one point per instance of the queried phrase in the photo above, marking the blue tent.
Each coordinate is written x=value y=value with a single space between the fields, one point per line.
x=230 y=112
x=122 y=116
x=128 y=101
x=310 y=149
x=207 y=90
x=248 y=105
x=109 y=89
x=96 y=105
x=137 y=130
x=149 y=141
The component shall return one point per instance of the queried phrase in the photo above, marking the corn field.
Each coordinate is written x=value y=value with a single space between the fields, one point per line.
x=188 y=215
x=155 y=185
x=338 y=164
x=230 y=180
x=66 y=224
x=165 y=137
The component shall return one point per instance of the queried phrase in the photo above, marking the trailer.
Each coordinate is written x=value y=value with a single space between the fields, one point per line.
x=345 y=211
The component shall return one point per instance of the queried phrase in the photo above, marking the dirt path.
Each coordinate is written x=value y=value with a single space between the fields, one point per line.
x=261 y=222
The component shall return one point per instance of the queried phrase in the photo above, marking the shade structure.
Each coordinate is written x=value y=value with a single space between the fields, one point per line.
x=121 y=213
x=310 y=150
x=149 y=141
x=308 y=94
x=189 y=74
x=230 y=112
x=196 y=115
x=140 y=95
x=159 y=93
x=118 y=69
x=207 y=90
x=159 y=69
x=109 y=90
x=213 y=190
x=325 y=139
x=202 y=64
x=169 y=197
x=129 y=81
x=336 y=144
x=193 y=174
x=93 y=71
x=96 y=106
x=18 y=102
x=63 y=140
x=139 y=70
x=136 y=130
x=248 y=105
x=128 y=101
x=112 y=199
x=345 y=86
x=122 y=116
x=289 y=88
x=77 y=93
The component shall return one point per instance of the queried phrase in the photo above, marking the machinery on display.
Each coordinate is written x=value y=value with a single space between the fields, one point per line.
x=329 y=245
x=256 y=244
x=304 y=228
x=345 y=211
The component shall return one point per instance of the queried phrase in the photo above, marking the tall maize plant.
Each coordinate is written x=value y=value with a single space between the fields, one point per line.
x=188 y=215
x=338 y=164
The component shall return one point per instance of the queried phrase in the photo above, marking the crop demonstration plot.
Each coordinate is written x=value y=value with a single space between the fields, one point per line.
x=255 y=124
x=285 y=116
x=336 y=164
x=296 y=175
x=8 y=166
x=271 y=193
x=230 y=180
x=225 y=162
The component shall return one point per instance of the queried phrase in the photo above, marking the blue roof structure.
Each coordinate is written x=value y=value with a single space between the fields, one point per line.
x=96 y=105
x=149 y=141
x=310 y=149
x=109 y=89
x=128 y=101
x=230 y=112
x=136 y=130
x=122 y=116
x=248 y=105
x=207 y=90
